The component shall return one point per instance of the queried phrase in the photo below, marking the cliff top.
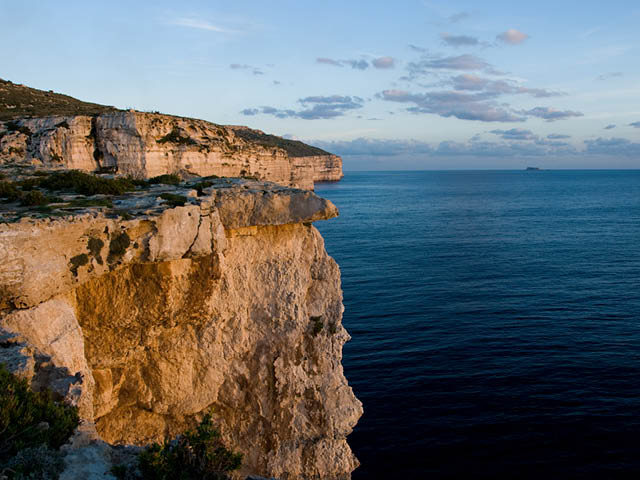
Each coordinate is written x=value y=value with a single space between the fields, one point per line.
x=27 y=194
x=19 y=101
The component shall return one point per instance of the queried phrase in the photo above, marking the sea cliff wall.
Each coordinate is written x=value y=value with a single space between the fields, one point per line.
x=148 y=320
x=148 y=144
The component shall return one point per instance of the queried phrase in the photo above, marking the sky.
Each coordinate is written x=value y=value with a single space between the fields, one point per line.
x=416 y=84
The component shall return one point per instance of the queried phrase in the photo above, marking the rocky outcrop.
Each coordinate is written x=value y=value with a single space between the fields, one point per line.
x=228 y=304
x=145 y=145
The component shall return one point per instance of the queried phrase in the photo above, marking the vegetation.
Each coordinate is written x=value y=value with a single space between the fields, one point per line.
x=31 y=102
x=34 y=463
x=15 y=127
x=30 y=420
x=293 y=147
x=86 y=184
x=35 y=198
x=196 y=455
x=173 y=199
x=175 y=137
x=167 y=179
x=316 y=325
x=119 y=244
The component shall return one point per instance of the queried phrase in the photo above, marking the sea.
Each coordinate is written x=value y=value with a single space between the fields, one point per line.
x=495 y=321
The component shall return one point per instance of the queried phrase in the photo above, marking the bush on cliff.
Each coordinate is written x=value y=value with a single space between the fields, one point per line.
x=30 y=421
x=87 y=184
x=196 y=455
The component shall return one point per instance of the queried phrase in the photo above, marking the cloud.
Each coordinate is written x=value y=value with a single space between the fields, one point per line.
x=277 y=82
x=417 y=48
x=375 y=147
x=515 y=134
x=459 y=40
x=612 y=146
x=242 y=66
x=329 y=61
x=550 y=114
x=474 y=147
x=635 y=124
x=609 y=75
x=609 y=127
x=456 y=17
x=512 y=37
x=355 y=64
x=199 y=24
x=313 y=108
x=557 y=136
x=384 y=62
x=498 y=87
x=460 y=105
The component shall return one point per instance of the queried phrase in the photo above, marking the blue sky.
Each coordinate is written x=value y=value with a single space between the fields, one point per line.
x=417 y=84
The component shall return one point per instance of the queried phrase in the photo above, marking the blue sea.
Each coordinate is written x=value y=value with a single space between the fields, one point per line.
x=495 y=318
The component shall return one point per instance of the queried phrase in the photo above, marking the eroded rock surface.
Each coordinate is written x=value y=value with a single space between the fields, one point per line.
x=146 y=145
x=228 y=304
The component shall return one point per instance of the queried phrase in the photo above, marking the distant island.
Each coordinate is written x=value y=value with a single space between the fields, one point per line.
x=533 y=168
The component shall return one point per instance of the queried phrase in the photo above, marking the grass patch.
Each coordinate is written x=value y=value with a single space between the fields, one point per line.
x=91 y=202
x=173 y=199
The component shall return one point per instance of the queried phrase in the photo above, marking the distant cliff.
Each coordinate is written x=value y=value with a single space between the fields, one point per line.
x=147 y=314
x=55 y=131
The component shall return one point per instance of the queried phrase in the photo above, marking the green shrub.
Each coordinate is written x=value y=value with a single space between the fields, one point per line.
x=119 y=244
x=317 y=325
x=29 y=419
x=198 y=454
x=34 y=463
x=86 y=184
x=35 y=197
x=167 y=179
x=174 y=200
x=9 y=191
x=176 y=137
x=15 y=127
x=200 y=186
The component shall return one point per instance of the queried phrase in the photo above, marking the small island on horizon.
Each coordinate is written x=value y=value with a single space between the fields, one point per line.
x=533 y=169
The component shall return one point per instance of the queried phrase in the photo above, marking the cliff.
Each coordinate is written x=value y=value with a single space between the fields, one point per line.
x=148 y=315
x=49 y=130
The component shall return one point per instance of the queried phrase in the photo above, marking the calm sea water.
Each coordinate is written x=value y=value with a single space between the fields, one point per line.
x=495 y=319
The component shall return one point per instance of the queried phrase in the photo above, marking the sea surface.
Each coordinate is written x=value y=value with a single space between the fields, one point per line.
x=495 y=318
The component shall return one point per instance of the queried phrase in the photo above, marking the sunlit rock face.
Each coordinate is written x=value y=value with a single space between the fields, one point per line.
x=146 y=145
x=228 y=304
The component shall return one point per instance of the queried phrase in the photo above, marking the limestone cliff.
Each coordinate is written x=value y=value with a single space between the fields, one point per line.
x=145 y=145
x=149 y=319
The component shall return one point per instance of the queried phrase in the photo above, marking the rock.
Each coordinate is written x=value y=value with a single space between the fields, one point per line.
x=146 y=145
x=210 y=307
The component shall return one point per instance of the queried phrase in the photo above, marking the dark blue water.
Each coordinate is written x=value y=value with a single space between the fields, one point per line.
x=495 y=319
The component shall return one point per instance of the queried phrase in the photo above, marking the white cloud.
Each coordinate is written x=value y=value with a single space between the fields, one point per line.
x=512 y=37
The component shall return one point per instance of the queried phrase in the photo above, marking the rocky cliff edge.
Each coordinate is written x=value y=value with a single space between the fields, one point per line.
x=148 y=315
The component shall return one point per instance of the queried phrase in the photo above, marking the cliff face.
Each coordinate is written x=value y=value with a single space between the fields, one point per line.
x=228 y=304
x=146 y=145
